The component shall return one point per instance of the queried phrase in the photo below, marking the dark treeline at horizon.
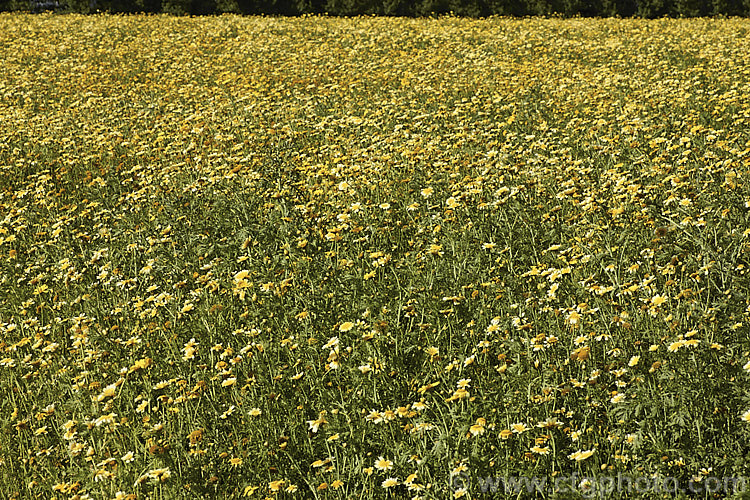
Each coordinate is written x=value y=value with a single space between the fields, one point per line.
x=469 y=8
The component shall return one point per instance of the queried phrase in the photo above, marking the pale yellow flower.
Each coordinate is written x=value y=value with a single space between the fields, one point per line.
x=581 y=455
x=617 y=398
x=383 y=464
x=390 y=482
x=276 y=485
x=519 y=428
x=346 y=326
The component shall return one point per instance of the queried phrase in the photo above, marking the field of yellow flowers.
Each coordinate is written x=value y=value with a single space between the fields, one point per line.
x=371 y=258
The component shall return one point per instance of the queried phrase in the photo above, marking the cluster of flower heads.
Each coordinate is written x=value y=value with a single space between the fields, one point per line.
x=265 y=257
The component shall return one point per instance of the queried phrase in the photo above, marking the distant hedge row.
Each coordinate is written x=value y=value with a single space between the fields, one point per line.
x=471 y=8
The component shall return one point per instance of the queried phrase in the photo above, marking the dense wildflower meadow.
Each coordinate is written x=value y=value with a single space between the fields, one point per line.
x=248 y=257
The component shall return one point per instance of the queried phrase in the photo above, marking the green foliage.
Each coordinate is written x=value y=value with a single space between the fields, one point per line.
x=228 y=6
x=470 y=8
x=691 y=8
x=507 y=7
x=622 y=8
x=309 y=6
x=80 y=6
x=350 y=7
x=176 y=7
x=650 y=9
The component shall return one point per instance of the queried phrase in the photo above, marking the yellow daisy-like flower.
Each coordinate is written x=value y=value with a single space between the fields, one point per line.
x=617 y=398
x=581 y=455
x=276 y=485
x=539 y=450
x=478 y=428
x=459 y=394
x=108 y=392
x=345 y=327
x=658 y=300
x=746 y=416
x=241 y=275
x=675 y=346
x=435 y=249
x=383 y=464
x=191 y=347
x=315 y=424
x=573 y=319
x=160 y=474
x=519 y=428
x=390 y=482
